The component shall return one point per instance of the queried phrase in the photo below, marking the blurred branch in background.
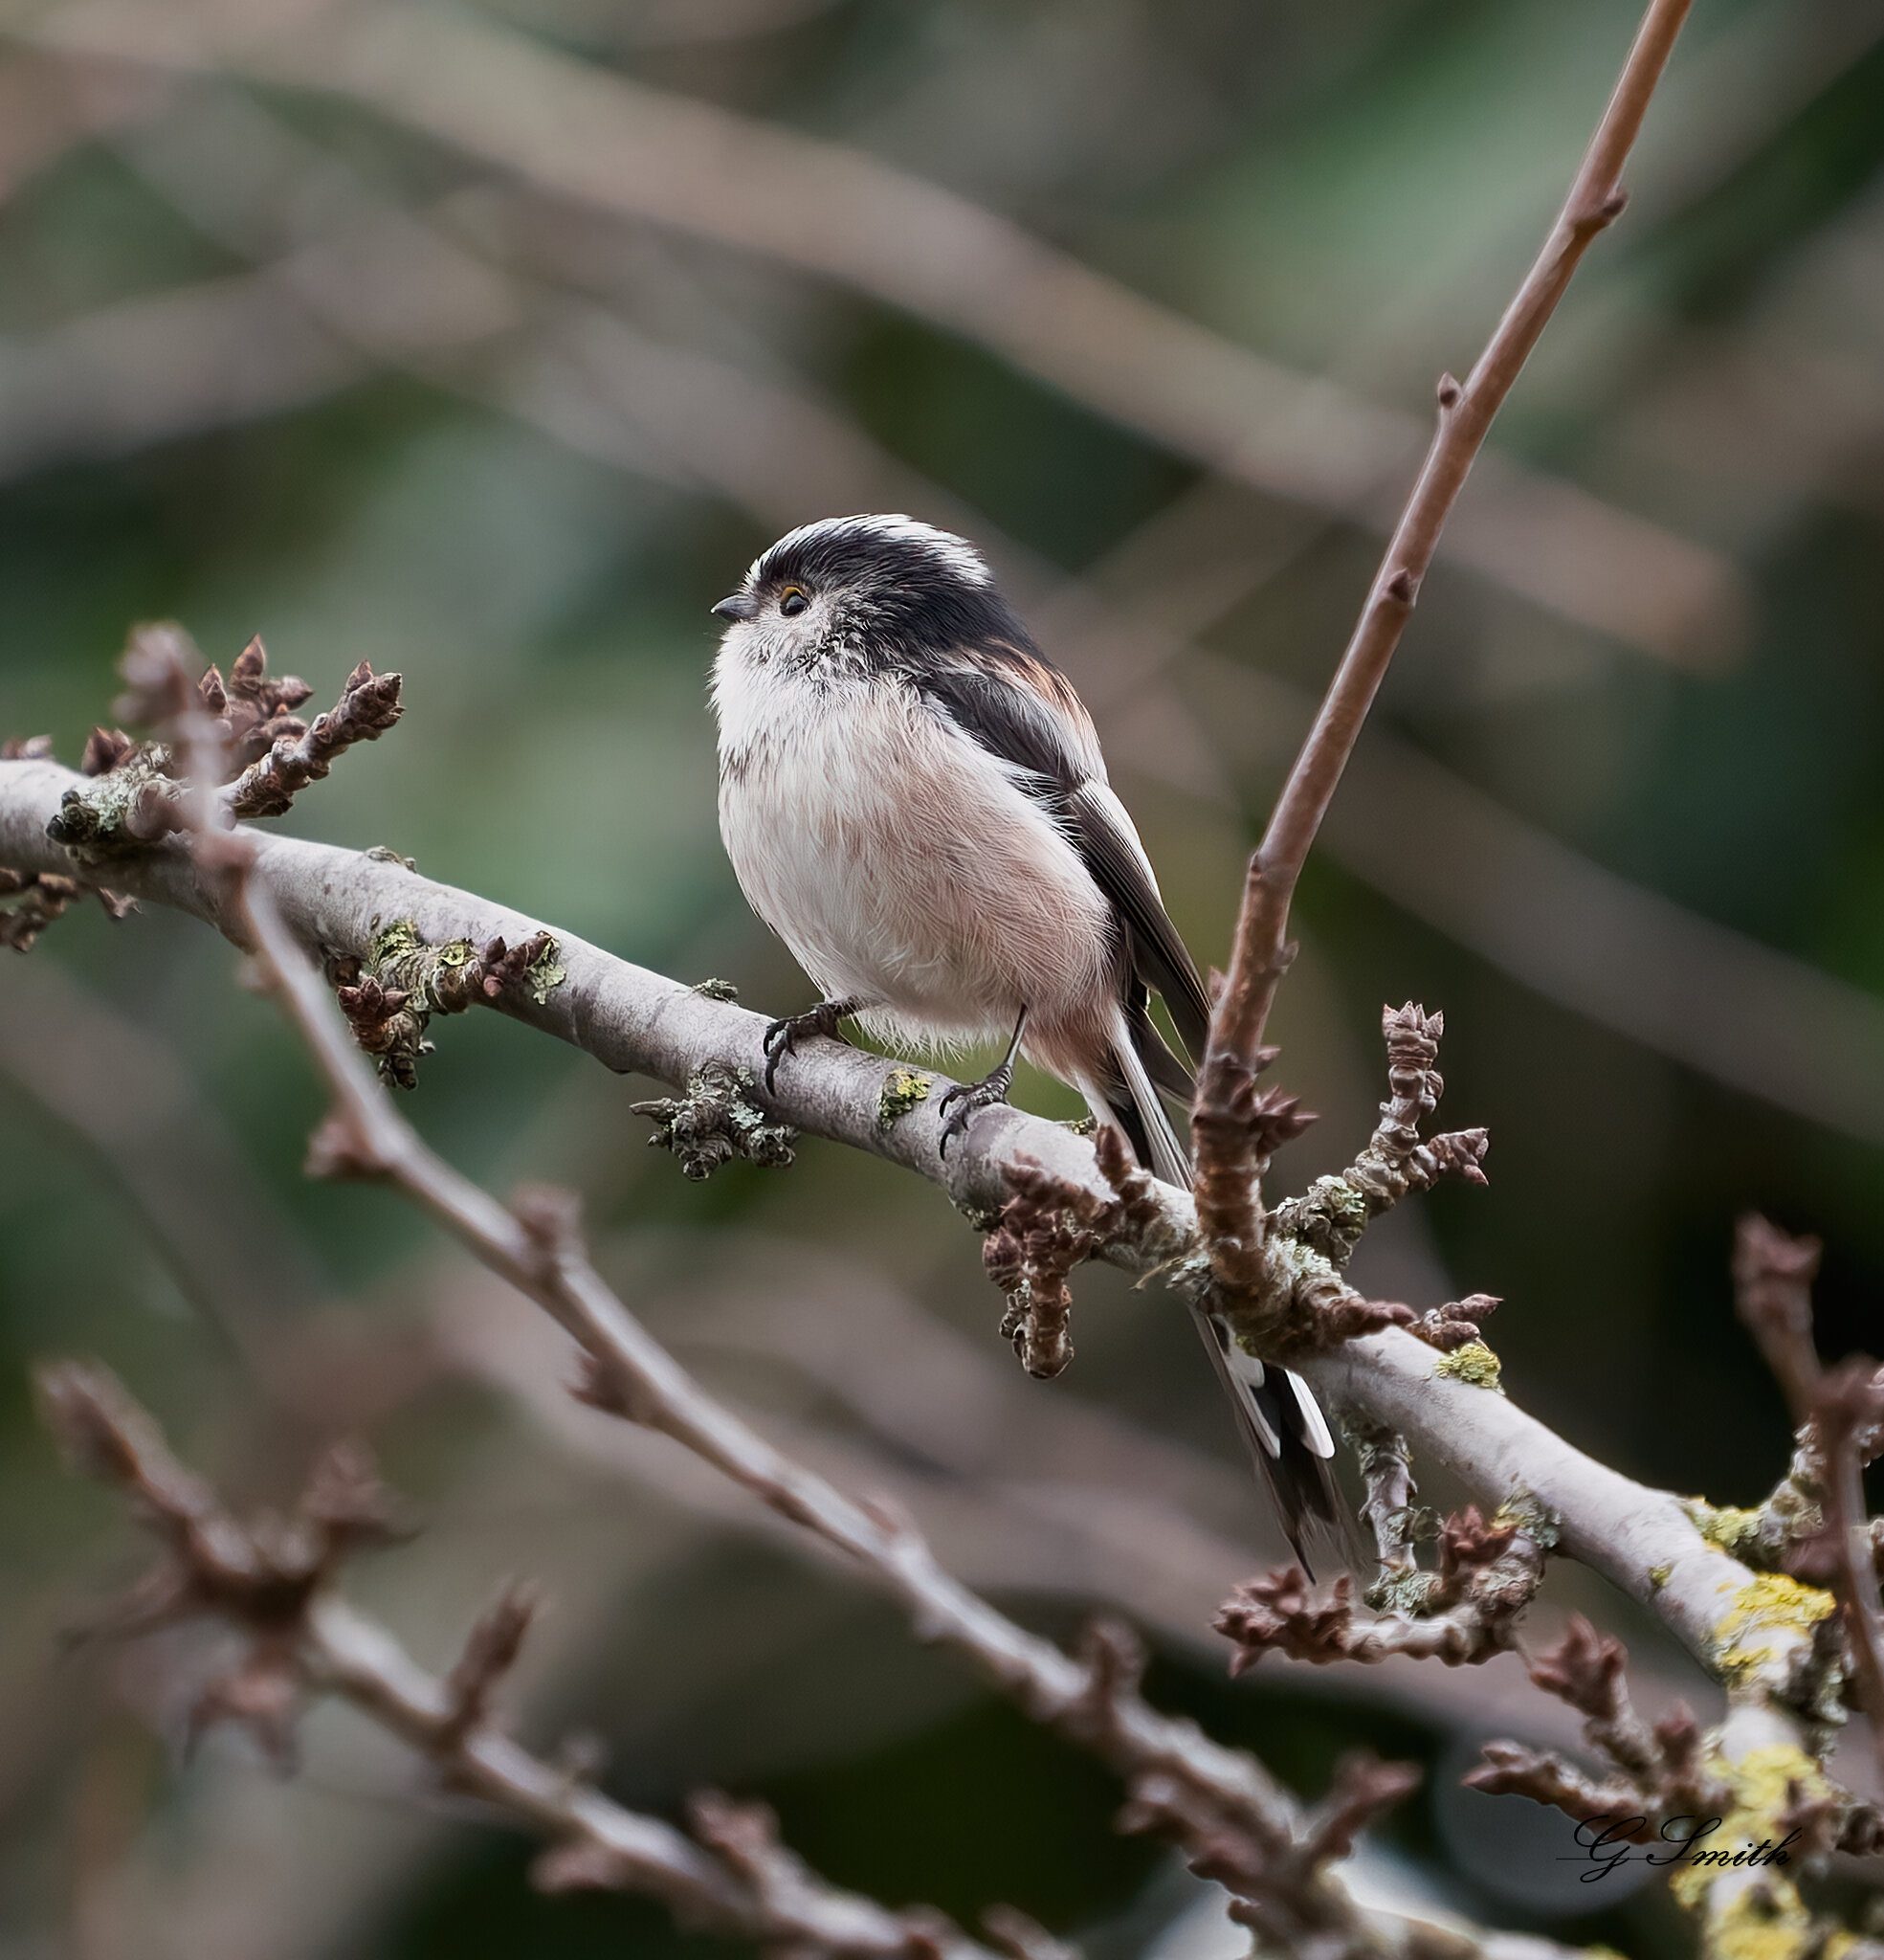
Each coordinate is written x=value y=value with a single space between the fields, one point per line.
x=1467 y=409
x=139 y=1119
x=273 y=1583
x=607 y=142
x=398 y=288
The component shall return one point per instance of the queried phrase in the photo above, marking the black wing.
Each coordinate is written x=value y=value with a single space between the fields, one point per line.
x=1021 y=707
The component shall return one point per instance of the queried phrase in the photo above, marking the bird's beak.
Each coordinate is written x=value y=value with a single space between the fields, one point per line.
x=737 y=605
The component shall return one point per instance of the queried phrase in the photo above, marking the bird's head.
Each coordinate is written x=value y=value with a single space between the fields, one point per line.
x=863 y=592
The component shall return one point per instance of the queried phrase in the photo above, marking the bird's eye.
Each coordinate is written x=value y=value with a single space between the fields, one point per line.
x=792 y=602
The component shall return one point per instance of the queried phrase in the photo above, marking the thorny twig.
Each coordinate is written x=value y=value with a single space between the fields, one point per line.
x=272 y=1580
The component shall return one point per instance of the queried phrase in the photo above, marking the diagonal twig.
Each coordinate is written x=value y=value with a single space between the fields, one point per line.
x=1466 y=413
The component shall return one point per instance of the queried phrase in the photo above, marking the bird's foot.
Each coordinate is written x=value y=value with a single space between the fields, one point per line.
x=783 y=1037
x=960 y=1103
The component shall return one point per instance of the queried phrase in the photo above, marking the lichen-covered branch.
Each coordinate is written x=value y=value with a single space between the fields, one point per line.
x=273 y=1583
x=1703 y=1802
x=390 y=995
x=717 y=1120
x=635 y=1021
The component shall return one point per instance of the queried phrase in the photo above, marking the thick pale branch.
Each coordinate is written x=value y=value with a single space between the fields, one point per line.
x=632 y=1019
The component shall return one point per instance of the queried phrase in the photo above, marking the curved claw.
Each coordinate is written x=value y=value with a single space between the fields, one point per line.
x=782 y=1036
x=779 y=1040
x=960 y=1103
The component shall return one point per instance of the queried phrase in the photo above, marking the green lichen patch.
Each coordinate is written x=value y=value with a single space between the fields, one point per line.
x=390 y=997
x=120 y=812
x=1768 y=1603
x=712 y=988
x=1473 y=1363
x=1408 y=1593
x=385 y=854
x=1527 y=1513
x=1329 y=1218
x=545 y=974
x=1659 y=1576
x=717 y=1120
x=902 y=1090
x=1768 y=1922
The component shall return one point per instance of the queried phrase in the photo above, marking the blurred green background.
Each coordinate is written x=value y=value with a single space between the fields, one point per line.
x=348 y=326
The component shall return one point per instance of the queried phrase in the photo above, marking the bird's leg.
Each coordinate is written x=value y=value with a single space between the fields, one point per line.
x=962 y=1101
x=782 y=1037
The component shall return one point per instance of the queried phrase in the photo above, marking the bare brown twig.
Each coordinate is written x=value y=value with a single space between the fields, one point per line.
x=1843 y=1409
x=1466 y=413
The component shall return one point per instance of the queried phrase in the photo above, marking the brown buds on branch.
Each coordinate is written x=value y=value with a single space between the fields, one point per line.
x=1278 y=1278
x=38 y=898
x=369 y=705
x=1462 y=1612
x=259 y=1575
x=271 y=1580
x=388 y=999
x=1046 y=1228
x=1840 y=1411
x=1236 y=1127
x=243 y=732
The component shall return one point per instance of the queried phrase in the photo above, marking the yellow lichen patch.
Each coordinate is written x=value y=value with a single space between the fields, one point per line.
x=1474 y=1363
x=903 y=1088
x=1658 y=1576
x=1766 y=1921
x=1766 y=1604
x=1727 y=1527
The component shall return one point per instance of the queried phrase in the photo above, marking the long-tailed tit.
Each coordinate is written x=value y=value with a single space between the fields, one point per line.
x=914 y=799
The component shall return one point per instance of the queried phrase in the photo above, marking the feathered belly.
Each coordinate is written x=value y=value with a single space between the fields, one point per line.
x=903 y=866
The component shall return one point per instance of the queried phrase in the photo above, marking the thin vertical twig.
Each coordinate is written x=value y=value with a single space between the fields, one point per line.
x=1466 y=413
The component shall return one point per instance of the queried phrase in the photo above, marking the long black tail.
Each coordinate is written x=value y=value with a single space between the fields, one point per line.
x=1282 y=1426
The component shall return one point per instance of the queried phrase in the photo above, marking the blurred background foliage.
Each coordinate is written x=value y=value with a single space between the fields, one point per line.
x=299 y=334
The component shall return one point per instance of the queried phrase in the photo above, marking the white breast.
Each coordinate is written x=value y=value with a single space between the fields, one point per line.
x=898 y=860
